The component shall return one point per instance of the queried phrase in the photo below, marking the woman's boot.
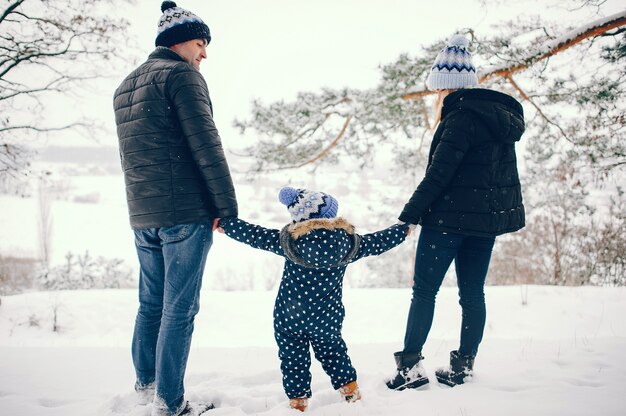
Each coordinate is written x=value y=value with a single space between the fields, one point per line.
x=409 y=372
x=461 y=366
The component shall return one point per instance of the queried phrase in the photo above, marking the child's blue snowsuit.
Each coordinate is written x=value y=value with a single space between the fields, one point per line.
x=308 y=306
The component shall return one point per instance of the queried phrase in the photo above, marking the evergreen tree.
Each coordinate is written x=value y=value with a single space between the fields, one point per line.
x=570 y=78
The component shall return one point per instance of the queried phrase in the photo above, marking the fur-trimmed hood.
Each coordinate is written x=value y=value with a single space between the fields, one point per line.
x=320 y=242
x=299 y=229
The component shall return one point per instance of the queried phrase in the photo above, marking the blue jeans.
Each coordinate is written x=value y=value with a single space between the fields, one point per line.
x=435 y=252
x=172 y=261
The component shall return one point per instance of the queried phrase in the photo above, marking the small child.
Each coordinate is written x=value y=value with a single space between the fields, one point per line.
x=317 y=248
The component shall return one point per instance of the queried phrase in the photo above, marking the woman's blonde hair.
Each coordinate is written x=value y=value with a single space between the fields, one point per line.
x=441 y=95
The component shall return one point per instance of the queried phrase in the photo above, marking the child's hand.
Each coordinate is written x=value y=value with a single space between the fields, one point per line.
x=217 y=227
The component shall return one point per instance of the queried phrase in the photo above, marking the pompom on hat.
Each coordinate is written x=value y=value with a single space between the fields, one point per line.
x=453 y=67
x=305 y=205
x=178 y=25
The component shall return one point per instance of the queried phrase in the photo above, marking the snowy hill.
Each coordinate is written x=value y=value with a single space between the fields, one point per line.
x=560 y=354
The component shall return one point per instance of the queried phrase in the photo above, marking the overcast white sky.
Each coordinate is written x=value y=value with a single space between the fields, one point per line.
x=272 y=49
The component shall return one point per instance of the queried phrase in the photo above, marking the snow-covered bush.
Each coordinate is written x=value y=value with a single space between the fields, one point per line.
x=562 y=247
x=16 y=274
x=86 y=272
x=90 y=198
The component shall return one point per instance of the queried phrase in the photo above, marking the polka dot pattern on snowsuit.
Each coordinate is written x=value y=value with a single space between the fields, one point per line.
x=308 y=307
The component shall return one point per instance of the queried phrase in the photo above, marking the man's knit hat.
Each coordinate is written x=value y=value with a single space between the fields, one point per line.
x=304 y=205
x=453 y=67
x=178 y=25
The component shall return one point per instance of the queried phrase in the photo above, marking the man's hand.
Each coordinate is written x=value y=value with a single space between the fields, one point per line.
x=217 y=227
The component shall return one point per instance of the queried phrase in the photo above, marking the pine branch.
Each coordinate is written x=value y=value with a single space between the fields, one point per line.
x=425 y=113
x=525 y=96
x=551 y=48
x=558 y=45
x=321 y=154
x=331 y=145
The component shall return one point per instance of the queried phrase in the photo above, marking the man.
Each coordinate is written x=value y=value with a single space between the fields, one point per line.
x=177 y=182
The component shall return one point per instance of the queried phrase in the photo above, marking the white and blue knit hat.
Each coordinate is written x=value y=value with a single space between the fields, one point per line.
x=453 y=67
x=305 y=205
x=178 y=25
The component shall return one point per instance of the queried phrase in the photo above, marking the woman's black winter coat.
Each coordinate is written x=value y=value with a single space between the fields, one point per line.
x=174 y=165
x=471 y=184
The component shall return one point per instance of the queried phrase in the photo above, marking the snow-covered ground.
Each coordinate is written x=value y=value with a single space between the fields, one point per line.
x=560 y=354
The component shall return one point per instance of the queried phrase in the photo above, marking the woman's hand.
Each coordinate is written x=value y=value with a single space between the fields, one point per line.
x=411 y=227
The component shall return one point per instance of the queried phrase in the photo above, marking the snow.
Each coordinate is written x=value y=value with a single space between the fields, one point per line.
x=573 y=34
x=557 y=42
x=561 y=353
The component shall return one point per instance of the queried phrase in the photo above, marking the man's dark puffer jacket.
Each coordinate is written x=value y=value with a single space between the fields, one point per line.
x=471 y=185
x=174 y=165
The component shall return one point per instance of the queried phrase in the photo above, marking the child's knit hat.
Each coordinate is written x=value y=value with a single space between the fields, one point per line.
x=304 y=205
x=453 y=67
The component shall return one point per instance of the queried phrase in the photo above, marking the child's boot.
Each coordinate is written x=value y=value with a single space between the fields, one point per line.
x=461 y=367
x=409 y=372
x=350 y=392
x=299 y=403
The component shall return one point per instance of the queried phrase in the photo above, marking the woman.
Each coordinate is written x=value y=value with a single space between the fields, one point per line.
x=470 y=194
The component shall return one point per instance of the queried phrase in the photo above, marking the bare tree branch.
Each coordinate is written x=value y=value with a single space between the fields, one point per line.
x=32 y=56
x=44 y=129
x=46 y=48
x=10 y=9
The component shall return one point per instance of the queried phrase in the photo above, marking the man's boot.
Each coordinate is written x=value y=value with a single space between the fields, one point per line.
x=461 y=367
x=196 y=408
x=409 y=372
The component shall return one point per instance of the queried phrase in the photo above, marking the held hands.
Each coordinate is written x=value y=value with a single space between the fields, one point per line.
x=217 y=227
x=411 y=228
